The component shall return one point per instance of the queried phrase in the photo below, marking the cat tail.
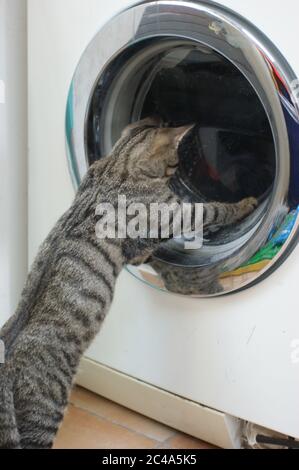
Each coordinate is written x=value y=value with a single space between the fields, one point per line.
x=9 y=434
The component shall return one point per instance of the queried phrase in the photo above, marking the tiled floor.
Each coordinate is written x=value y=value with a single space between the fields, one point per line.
x=92 y=422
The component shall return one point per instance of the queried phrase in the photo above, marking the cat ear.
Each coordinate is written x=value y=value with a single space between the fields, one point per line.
x=180 y=132
x=151 y=121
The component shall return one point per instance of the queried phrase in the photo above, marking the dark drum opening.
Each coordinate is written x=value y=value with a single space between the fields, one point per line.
x=228 y=156
x=231 y=154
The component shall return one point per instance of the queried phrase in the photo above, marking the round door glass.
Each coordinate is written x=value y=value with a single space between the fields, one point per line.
x=241 y=146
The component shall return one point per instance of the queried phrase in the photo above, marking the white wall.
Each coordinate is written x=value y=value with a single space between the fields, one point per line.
x=13 y=153
x=58 y=32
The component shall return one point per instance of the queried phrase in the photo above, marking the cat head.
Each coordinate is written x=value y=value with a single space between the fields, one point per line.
x=152 y=149
x=149 y=153
x=139 y=167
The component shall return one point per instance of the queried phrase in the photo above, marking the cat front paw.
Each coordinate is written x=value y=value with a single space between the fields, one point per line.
x=247 y=206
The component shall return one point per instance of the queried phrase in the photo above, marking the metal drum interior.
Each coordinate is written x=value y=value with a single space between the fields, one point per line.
x=208 y=72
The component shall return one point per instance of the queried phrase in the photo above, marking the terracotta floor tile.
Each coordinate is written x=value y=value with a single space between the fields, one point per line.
x=106 y=409
x=183 y=441
x=92 y=422
x=81 y=430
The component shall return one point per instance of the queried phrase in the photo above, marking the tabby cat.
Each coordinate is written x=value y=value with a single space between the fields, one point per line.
x=71 y=284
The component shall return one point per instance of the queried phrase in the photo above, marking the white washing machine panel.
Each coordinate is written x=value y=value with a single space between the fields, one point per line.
x=235 y=353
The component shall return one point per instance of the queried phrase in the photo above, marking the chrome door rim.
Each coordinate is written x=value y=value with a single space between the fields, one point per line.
x=233 y=37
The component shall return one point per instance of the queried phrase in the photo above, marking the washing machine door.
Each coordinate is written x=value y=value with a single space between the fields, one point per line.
x=199 y=62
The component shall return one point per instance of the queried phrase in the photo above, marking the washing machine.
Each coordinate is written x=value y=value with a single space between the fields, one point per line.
x=206 y=340
x=13 y=154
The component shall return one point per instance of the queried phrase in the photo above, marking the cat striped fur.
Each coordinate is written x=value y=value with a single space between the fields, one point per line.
x=71 y=284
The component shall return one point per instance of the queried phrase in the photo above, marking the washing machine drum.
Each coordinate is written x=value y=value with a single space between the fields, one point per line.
x=199 y=62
